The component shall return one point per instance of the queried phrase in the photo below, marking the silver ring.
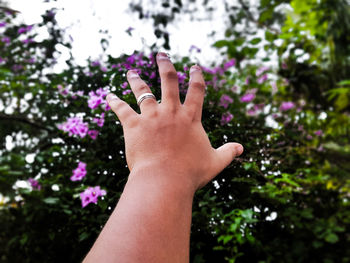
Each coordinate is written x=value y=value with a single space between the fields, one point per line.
x=144 y=96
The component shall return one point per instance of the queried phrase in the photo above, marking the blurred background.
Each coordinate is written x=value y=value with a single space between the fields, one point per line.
x=278 y=81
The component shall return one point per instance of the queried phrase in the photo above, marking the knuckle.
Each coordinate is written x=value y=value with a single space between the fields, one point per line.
x=171 y=74
x=143 y=88
x=198 y=85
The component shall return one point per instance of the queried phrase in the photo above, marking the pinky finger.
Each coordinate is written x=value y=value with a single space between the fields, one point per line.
x=123 y=111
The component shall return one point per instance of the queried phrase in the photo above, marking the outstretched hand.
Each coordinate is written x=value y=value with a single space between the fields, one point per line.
x=169 y=136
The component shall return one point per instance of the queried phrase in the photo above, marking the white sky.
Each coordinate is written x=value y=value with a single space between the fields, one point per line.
x=83 y=19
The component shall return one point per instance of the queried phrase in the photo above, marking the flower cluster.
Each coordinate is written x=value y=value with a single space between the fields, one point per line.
x=248 y=97
x=90 y=195
x=97 y=97
x=79 y=172
x=226 y=118
x=100 y=121
x=74 y=126
x=225 y=100
x=287 y=105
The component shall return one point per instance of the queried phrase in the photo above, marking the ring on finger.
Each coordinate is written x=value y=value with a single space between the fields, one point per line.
x=144 y=96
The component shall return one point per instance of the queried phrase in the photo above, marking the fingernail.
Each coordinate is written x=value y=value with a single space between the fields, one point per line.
x=111 y=96
x=132 y=74
x=162 y=55
x=239 y=149
x=195 y=68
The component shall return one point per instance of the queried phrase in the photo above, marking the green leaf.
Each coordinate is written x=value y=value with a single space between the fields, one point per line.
x=331 y=238
x=255 y=41
x=51 y=200
x=221 y=43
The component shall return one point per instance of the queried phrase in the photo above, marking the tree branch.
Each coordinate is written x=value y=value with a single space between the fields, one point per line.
x=22 y=119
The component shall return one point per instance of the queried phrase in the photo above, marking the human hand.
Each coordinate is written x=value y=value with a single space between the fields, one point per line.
x=168 y=137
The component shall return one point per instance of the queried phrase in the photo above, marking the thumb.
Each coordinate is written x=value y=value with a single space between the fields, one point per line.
x=225 y=155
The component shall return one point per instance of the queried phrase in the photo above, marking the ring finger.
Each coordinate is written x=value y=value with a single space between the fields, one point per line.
x=139 y=87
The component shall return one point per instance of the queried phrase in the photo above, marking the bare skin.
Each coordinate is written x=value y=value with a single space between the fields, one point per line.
x=169 y=156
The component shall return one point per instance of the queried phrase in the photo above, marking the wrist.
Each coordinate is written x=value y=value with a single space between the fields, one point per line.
x=164 y=178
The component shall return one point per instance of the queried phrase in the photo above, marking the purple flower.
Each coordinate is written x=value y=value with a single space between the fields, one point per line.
x=153 y=75
x=79 y=172
x=2 y=60
x=74 y=126
x=34 y=184
x=129 y=29
x=6 y=40
x=124 y=85
x=181 y=77
x=31 y=61
x=195 y=48
x=262 y=79
x=226 y=118
x=261 y=70
x=248 y=97
x=100 y=121
x=63 y=91
x=90 y=195
x=95 y=63
x=96 y=98
x=247 y=81
x=24 y=29
x=2 y=24
x=318 y=133
x=230 y=63
x=208 y=70
x=17 y=67
x=225 y=100
x=126 y=92
x=287 y=105
x=93 y=134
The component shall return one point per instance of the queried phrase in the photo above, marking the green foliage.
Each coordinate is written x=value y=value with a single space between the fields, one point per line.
x=285 y=200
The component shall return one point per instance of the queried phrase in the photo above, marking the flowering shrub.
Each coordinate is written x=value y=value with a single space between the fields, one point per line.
x=285 y=199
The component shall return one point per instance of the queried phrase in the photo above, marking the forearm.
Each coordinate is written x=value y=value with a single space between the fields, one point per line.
x=151 y=222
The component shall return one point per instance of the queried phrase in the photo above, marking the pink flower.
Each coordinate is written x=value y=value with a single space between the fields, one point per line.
x=248 y=97
x=74 y=126
x=126 y=92
x=287 y=105
x=229 y=64
x=100 y=121
x=79 y=173
x=181 y=77
x=261 y=70
x=6 y=40
x=226 y=118
x=93 y=134
x=95 y=63
x=90 y=195
x=34 y=184
x=97 y=97
x=225 y=100
x=262 y=79
x=247 y=81
x=318 y=133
